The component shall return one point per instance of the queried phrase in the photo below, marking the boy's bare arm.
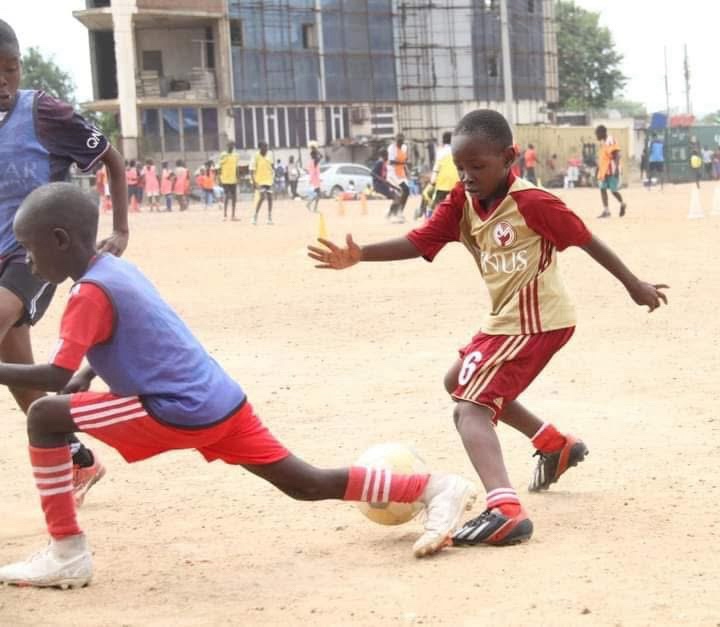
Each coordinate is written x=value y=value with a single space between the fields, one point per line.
x=642 y=293
x=45 y=377
x=118 y=240
x=336 y=258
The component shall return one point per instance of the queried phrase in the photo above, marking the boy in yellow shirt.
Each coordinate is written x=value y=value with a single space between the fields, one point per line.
x=262 y=174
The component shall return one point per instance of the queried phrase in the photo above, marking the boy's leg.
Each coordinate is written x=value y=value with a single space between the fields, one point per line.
x=269 y=204
x=246 y=441
x=66 y=561
x=16 y=348
x=446 y=497
x=619 y=198
x=604 y=196
x=261 y=197
x=504 y=521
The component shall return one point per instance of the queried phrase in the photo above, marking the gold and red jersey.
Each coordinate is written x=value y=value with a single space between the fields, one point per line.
x=514 y=242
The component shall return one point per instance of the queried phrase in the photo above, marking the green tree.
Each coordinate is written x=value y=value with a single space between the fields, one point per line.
x=41 y=73
x=588 y=64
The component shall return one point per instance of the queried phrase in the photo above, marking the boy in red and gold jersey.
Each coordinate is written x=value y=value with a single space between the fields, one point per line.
x=514 y=231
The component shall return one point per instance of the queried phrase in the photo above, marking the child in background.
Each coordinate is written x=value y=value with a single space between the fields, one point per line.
x=206 y=184
x=180 y=184
x=133 y=182
x=152 y=185
x=117 y=319
x=696 y=165
x=167 y=178
x=102 y=186
x=313 y=170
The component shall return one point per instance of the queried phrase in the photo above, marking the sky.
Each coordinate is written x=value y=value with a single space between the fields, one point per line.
x=641 y=29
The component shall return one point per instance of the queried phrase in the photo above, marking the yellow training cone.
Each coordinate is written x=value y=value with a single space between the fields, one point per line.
x=363 y=204
x=340 y=206
x=322 y=229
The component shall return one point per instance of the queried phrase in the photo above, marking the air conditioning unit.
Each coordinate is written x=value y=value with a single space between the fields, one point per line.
x=359 y=115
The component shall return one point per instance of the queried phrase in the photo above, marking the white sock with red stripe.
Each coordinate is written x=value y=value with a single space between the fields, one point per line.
x=381 y=485
x=53 y=471
x=504 y=499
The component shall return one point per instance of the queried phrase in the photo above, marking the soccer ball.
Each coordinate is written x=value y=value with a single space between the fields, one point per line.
x=399 y=458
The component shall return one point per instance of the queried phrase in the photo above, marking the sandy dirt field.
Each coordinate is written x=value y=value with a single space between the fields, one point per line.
x=335 y=362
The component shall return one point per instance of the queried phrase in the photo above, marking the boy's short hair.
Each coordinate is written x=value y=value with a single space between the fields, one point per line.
x=447 y=137
x=8 y=38
x=491 y=124
x=62 y=205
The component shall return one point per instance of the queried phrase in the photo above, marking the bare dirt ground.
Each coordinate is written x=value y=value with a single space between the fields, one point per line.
x=335 y=362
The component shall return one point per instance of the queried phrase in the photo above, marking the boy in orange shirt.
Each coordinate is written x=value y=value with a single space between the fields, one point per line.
x=608 y=173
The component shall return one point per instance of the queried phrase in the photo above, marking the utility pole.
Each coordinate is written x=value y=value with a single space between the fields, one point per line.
x=667 y=87
x=507 y=68
x=688 y=104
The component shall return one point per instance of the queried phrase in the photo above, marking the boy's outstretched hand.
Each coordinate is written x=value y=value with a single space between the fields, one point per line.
x=333 y=257
x=648 y=294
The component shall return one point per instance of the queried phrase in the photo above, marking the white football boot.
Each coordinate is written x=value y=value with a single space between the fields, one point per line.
x=446 y=498
x=62 y=563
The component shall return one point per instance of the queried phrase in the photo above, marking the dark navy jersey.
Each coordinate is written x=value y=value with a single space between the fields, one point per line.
x=40 y=138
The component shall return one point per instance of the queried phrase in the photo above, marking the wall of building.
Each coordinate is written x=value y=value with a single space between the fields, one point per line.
x=179 y=48
x=215 y=6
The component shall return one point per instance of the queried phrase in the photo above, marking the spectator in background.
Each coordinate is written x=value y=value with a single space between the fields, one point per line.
x=152 y=185
x=707 y=157
x=656 y=160
x=167 y=177
x=716 y=164
x=181 y=182
x=314 y=174
x=280 y=177
x=530 y=164
x=444 y=175
x=398 y=176
x=262 y=173
x=228 y=164
x=133 y=185
x=293 y=175
x=696 y=166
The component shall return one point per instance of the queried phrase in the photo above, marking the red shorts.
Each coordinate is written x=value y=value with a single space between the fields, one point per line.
x=497 y=368
x=123 y=423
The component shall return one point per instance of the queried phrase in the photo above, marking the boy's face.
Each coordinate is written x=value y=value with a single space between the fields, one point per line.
x=46 y=252
x=482 y=166
x=9 y=76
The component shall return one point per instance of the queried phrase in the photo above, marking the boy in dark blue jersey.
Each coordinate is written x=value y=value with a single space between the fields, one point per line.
x=40 y=138
x=166 y=393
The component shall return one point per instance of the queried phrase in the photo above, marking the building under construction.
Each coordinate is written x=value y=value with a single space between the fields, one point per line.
x=184 y=76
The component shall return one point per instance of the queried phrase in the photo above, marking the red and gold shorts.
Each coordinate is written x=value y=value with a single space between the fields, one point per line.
x=124 y=424
x=497 y=368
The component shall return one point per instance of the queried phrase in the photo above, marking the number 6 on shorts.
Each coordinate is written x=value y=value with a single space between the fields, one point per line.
x=469 y=366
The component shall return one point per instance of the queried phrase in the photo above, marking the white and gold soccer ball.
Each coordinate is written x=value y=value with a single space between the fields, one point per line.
x=398 y=458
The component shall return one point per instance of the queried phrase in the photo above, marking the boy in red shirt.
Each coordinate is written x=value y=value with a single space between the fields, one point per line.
x=514 y=231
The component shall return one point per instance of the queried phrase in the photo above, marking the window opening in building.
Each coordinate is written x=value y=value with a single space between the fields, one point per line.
x=236 y=33
x=309 y=36
x=492 y=67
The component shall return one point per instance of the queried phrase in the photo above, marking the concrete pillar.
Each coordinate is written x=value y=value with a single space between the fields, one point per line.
x=122 y=13
x=225 y=84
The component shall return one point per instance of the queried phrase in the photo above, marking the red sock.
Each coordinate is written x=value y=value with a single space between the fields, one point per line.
x=548 y=439
x=504 y=499
x=53 y=470
x=380 y=485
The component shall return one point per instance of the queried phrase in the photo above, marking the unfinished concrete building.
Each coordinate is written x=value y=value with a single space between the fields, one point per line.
x=184 y=76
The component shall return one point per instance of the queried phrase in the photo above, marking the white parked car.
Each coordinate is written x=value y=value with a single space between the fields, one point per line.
x=336 y=177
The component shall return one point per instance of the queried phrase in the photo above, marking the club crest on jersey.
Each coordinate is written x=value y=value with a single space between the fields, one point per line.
x=504 y=234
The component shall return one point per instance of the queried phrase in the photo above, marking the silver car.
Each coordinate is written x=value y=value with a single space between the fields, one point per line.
x=336 y=177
